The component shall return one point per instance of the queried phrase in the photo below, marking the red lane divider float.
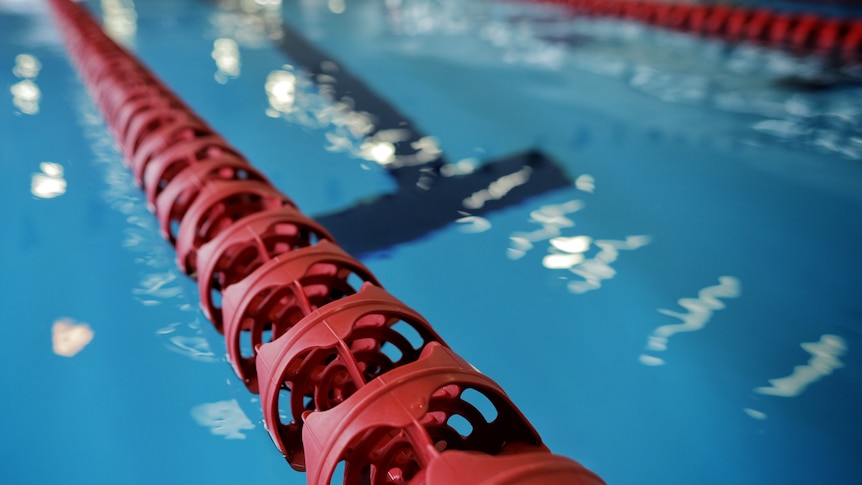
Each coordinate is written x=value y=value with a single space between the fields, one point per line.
x=838 y=38
x=365 y=379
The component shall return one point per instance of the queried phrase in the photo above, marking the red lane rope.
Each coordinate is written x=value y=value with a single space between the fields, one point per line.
x=365 y=379
x=802 y=33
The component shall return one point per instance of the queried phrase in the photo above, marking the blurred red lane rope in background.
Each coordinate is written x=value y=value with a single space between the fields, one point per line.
x=837 y=38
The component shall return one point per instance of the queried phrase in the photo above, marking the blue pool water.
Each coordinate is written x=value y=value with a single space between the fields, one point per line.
x=651 y=241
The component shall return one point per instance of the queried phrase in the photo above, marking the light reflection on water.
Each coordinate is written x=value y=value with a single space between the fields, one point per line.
x=194 y=347
x=158 y=286
x=740 y=79
x=161 y=283
x=824 y=353
x=26 y=66
x=585 y=183
x=26 y=93
x=336 y=6
x=673 y=67
x=39 y=28
x=120 y=21
x=251 y=23
x=759 y=415
x=699 y=312
x=551 y=218
x=223 y=418
x=310 y=103
x=281 y=90
x=48 y=182
x=69 y=337
x=498 y=188
x=570 y=252
x=473 y=224
x=26 y=96
x=598 y=268
x=227 y=58
x=824 y=360
x=461 y=167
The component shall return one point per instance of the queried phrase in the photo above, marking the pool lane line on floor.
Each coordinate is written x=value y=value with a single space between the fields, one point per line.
x=426 y=200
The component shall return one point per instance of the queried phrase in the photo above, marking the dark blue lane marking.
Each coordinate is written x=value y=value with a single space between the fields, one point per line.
x=410 y=214
x=414 y=210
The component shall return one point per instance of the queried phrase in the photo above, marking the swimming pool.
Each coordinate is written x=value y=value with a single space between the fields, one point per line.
x=661 y=168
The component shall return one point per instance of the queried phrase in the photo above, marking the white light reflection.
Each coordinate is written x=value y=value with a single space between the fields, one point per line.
x=522 y=46
x=700 y=311
x=120 y=20
x=498 y=188
x=336 y=6
x=382 y=152
x=68 y=337
x=461 y=167
x=417 y=18
x=552 y=218
x=787 y=129
x=570 y=252
x=473 y=224
x=251 y=23
x=598 y=268
x=195 y=348
x=585 y=183
x=427 y=149
x=26 y=66
x=48 y=183
x=562 y=261
x=759 y=415
x=25 y=96
x=160 y=285
x=161 y=282
x=223 y=418
x=572 y=249
x=577 y=244
x=281 y=90
x=226 y=55
x=26 y=93
x=824 y=360
x=310 y=103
